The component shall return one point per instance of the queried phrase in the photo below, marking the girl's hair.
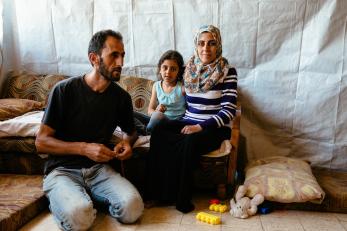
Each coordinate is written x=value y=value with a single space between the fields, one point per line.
x=172 y=55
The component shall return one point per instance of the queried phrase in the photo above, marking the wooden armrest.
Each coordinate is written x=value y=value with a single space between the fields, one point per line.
x=235 y=137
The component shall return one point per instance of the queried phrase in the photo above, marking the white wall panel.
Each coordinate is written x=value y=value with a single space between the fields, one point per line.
x=73 y=28
x=115 y=15
x=316 y=106
x=35 y=36
x=152 y=30
x=291 y=56
x=239 y=25
x=188 y=17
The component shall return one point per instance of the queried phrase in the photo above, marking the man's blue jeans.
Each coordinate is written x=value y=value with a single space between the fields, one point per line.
x=71 y=191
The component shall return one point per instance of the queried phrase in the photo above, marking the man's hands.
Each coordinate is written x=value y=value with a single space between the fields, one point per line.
x=101 y=153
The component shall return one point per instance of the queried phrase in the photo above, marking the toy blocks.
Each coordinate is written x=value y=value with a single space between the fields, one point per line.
x=218 y=208
x=208 y=218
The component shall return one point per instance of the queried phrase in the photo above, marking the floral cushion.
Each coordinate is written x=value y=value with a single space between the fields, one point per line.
x=25 y=85
x=283 y=180
x=10 y=108
x=140 y=90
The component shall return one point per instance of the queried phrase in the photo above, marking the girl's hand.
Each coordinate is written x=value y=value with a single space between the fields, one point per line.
x=161 y=108
x=189 y=129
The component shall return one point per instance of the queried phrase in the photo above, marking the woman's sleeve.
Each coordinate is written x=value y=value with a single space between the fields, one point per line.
x=228 y=102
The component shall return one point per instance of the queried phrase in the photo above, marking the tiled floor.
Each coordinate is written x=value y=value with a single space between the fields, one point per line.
x=167 y=219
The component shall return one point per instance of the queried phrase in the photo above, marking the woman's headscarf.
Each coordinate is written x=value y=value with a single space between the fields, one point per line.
x=199 y=77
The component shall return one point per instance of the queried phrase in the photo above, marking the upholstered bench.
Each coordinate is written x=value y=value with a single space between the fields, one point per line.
x=21 y=199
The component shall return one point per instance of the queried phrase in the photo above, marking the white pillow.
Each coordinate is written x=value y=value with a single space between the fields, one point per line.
x=22 y=126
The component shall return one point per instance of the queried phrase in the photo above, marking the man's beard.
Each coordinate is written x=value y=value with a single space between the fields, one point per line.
x=108 y=74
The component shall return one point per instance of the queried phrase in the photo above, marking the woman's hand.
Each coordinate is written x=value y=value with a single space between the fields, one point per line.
x=189 y=129
x=161 y=108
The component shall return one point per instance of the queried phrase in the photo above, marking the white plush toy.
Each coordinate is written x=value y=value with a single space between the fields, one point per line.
x=244 y=206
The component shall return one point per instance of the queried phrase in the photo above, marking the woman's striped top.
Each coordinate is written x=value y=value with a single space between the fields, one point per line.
x=216 y=107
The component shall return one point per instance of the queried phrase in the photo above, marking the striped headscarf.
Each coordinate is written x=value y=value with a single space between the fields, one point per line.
x=199 y=77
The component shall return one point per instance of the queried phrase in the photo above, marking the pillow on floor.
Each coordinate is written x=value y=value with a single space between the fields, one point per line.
x=283 y=179
x=12 y=107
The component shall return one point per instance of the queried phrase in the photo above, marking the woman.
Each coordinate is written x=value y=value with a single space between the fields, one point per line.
x=211 y=93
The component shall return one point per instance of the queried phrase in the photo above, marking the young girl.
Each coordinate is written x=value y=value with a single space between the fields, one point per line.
x=167 y=100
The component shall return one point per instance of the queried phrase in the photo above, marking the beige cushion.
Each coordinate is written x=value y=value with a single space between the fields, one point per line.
x=223 y=150
x=283 y=179
x=11 y=107
x=22 y=126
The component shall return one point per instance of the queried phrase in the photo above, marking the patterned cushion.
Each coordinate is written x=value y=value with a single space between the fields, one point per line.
x=334 y=183
x=24 y=85
x=11 y=107
x=282 y=179
x=140 y=90
x=21 y=199
x=21 y=163
x=18 y=144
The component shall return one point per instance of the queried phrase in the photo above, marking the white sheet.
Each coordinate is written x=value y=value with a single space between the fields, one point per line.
x=22 y=126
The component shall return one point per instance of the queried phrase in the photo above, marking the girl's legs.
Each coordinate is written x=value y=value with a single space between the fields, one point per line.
x=156 y=117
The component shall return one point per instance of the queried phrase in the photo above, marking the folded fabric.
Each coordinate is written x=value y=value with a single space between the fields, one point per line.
x=22 y=126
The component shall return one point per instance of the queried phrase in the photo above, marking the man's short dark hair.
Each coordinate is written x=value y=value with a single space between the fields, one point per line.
x=97 y=42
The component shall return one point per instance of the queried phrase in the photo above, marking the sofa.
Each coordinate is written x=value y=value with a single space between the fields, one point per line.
x=21 y=168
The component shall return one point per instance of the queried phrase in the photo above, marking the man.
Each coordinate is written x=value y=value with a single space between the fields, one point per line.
x=81 y=115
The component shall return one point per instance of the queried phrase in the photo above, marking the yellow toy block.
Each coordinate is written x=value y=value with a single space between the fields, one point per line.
x=208 y=218
x=218 y=208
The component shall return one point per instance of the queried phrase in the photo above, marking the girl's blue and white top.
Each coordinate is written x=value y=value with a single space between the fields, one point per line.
x=217 y=106
x=174 y=101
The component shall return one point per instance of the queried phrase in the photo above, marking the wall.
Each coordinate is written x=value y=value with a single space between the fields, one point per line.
x=290 y=55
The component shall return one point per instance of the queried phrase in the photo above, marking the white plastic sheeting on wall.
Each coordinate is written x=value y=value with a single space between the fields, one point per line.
x=290 y=55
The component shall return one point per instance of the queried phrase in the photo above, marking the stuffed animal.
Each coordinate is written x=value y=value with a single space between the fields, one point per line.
x=244 y=206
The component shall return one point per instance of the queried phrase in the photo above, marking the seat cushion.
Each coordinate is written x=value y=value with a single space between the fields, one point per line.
x=21 y=163
x=18 y=144
x=21 y=199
